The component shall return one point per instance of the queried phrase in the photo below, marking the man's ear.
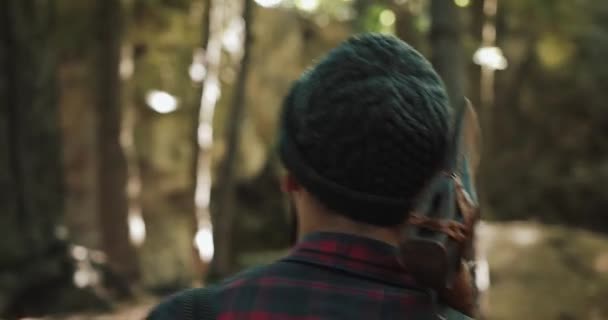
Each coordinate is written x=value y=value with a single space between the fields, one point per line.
x=289 y=183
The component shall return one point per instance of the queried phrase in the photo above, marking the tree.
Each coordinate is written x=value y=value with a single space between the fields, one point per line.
x=210 y=93
x=225 y=212
x=35 y=267
x=447 y=58
x=112 y=165
x=446 y=34
x=163 y=37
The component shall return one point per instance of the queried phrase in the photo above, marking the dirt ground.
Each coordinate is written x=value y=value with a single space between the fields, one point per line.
x=133 y=311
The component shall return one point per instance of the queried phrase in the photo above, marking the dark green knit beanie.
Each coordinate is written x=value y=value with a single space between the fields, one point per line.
x=366 y=129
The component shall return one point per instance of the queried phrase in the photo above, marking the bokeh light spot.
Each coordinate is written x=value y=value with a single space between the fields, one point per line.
x=387 y=18
x=161 y=101
x=462 y=3
x=268 y=3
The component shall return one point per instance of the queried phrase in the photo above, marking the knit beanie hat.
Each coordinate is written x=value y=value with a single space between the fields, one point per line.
x=366 y=129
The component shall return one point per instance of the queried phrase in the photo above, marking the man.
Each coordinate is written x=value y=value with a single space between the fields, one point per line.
x=361 y=136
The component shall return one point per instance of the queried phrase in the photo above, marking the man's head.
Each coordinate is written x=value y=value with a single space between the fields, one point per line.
x=365 y=130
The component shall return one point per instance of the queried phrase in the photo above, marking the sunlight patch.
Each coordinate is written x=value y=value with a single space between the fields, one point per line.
x=601 y=263
x=161 y=101
x=203 y=240
x=137 y=229
x=525 y=236
x=268 y=3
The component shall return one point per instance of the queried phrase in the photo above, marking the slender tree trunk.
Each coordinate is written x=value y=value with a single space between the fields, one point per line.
x=447 y=58
x=225 y=214
x=474 y=72
x=112 y=165
x=205 y=33
x=201 y=267
x=405 y=28
x=137 y=229
x=360 y=7
x=447 y=52
x=210 y=92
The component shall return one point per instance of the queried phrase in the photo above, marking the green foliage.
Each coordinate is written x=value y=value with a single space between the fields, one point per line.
x=372 y=19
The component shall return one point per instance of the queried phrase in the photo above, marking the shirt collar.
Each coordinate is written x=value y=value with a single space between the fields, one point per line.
x=353 y=254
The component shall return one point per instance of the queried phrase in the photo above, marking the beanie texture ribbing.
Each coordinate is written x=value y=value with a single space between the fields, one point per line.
x=367 y=128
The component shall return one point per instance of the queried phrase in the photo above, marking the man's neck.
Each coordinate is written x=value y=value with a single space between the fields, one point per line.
x=315 y=217
x=339 y=224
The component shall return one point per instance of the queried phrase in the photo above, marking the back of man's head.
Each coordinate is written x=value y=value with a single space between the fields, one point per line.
x=366 y=129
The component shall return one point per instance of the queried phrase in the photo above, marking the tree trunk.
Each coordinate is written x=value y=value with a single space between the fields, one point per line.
x=225 y=212
x=447 y=58
x=112 y=166
x=446 y=46
x=210 y=92
x=201 y=267
x=473 y=70
x=35 y=268
x=405 y=27
x=79 y=144
x=360 y=7
x=167 y=258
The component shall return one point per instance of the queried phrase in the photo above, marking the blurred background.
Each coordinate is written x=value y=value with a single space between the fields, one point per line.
x=137 y=142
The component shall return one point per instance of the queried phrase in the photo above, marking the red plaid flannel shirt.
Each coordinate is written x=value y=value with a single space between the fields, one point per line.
x=326 y=276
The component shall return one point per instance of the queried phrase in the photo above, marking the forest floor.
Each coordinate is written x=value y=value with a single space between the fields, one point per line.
x=133 y=311
x=545 y=272
x=536 y=272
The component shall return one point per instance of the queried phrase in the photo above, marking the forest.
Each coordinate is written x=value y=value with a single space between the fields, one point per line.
x=137 y=143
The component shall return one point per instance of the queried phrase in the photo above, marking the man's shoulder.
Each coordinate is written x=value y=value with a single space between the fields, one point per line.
x=191 y=304
x=240 y=292
x=451 y=314
x=202 y=303
x=246 y=277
